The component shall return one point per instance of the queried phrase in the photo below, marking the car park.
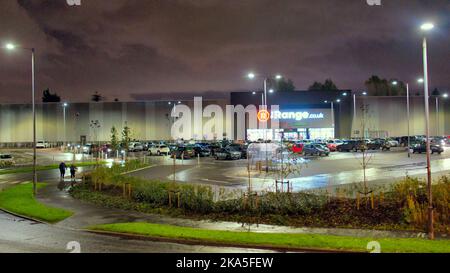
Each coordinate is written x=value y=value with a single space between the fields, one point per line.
x=159 y=149
x=227 y=154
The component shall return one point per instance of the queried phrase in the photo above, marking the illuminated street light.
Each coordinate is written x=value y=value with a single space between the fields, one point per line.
x=427 y=27
x=11 y=46
x=420 y=80
x=251 y=76
x=278 y=77
x=395 y=82
x=445 y=96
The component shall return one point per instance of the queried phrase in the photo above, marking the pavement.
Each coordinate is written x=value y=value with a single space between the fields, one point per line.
x=23 y=236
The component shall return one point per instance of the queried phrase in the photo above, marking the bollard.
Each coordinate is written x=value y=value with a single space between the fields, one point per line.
x=129 y=191
x=198 y=159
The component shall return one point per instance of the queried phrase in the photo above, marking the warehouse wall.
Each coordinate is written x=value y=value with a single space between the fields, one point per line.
x=389 y=114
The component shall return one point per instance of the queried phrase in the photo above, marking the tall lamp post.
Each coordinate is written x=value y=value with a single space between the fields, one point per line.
x=427 y=27
x=252 y=76
x=408 y=115
x=364 y=93
x=64 y=126
x=11 y=47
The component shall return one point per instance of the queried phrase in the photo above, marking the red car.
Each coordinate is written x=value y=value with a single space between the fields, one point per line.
x=332 y=145
x=297 y=148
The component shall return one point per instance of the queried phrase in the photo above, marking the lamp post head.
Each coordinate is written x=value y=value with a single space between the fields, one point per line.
x=445 y=96
x=338 y=100
x=420 y=80
x=395 y=82
x=427 y=26
x=251 y=76
x=65 y=104
x=278 y=77
x=10 y=46
x=364 y=93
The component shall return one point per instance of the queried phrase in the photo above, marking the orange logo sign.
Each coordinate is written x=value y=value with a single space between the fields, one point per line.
x=263 y=115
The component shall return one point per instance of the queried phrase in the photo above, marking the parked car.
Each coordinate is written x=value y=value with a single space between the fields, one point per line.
x=135 y=147
x=240 y=148
x=227 y=153
x=42 y=145
x=333 y=143
x=422 y=148
x=159 y=150
x=184 y=152
x=90 y=148
x=348 y=145
x=202 y=151
x=378 y=144
x=297 y=148
x=393 y=142
x=6 y=160
x=316 y=149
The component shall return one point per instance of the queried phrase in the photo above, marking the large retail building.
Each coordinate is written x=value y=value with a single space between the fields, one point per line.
x=301 y=115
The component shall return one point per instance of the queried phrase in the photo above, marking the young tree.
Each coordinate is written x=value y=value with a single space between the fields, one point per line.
x=126 y=137
x=115 y=144
x=49 y=97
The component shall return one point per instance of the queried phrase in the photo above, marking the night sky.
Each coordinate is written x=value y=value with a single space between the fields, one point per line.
x=125 y=47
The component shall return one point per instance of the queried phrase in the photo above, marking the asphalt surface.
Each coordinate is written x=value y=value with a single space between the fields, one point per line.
x=338 y=170
x=23 y=236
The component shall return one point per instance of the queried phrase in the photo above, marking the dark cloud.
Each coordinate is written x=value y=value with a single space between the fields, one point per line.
x=123 y=47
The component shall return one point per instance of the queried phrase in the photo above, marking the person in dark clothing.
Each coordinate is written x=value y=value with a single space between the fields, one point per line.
x=62 y=169
x=73 y=170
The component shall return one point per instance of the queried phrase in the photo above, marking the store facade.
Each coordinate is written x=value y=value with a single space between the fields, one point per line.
x=302 y=114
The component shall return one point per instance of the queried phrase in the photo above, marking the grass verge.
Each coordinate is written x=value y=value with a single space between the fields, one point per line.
x=28 y=169
x=20 y=200
x=305 y=241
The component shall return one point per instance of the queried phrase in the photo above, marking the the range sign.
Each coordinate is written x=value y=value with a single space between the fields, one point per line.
x=298 y=116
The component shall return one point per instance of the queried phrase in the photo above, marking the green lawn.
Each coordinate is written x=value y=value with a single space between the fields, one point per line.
x=20 y=200
x=310 y=241
x=47 y=167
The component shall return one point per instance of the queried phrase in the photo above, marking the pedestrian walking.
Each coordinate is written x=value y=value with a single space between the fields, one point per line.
x=62 y=170
x=73 y=171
